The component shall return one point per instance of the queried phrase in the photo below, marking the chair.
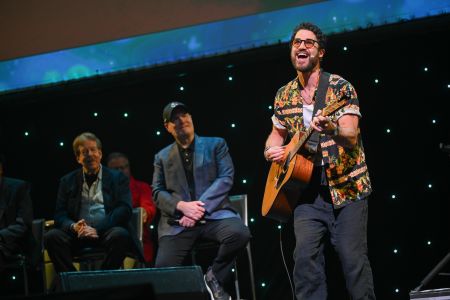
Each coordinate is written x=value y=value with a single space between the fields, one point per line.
x=33 y=258
x=239 y=203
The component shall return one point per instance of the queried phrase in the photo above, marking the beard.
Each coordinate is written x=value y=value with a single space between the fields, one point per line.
x=313 y=61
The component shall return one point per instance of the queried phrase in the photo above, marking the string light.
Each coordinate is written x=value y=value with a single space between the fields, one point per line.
x=279 y=226
x=26 y=133
x=181 y=88
x=263 y=284
x=397 y=290
x=430 y=186
x=230 y=78
x=125 y=115
x=244 y=181
x=61 y=144
x=345 y=48
x=395 y=251
x=233 y=125
x=393 y=196
x=13 y=277
x=425 y=69
x=376 y=80
x=388 y=130
x=95 y=114
x=429 y=243
x=433 y=121
x=158 y=132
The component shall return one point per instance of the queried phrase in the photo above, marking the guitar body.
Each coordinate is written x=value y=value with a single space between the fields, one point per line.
x=287 y=179
x=285 y=182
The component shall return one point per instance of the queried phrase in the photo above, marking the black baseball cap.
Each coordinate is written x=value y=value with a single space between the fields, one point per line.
x=169 y=108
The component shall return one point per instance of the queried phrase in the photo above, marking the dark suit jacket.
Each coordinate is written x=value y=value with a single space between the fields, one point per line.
x=116 y=199
x=16 y=214
x=213 y=177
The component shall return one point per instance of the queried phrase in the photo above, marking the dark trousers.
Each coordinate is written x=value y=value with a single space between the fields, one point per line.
x=62 y=247
x=231 y=233
x=347 y=229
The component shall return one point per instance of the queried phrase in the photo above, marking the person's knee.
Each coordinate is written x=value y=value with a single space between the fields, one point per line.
x=351 y=258
x=118 y=234
x=239 y=235
x=244 y=235
x=52 y=236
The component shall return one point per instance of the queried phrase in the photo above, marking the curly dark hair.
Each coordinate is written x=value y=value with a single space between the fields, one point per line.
x=321 y=38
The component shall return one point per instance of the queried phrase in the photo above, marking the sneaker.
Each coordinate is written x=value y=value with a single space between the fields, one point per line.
x=215 y=290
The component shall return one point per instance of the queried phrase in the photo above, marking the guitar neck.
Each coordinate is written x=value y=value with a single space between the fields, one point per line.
x=331 y=108
x=303 y=139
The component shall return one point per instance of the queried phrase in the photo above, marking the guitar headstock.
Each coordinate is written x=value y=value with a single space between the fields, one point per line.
x=332 y=107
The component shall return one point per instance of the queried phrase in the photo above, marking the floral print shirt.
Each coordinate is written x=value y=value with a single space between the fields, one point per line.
x=346 y=169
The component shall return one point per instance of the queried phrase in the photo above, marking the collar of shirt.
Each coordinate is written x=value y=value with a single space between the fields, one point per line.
x=190 y=148
x=99 y=174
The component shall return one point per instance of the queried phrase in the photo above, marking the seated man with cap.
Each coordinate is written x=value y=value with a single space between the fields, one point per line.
x=191 y=181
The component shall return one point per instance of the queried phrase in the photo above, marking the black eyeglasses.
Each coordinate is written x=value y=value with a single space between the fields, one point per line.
x=309 y=43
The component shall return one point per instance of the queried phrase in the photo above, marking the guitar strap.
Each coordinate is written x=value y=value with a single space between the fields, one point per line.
x=324 y=82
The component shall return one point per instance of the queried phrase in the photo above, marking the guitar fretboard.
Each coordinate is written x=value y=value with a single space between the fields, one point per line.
x=326 y=112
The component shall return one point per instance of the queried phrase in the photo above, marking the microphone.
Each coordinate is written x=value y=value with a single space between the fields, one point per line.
x=444 y=148
x=176 y=222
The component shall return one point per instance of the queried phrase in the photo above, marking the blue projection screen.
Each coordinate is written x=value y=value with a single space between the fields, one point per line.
x=205 y=40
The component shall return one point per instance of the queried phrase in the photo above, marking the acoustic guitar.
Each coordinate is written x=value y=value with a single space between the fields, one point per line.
x=288 y=178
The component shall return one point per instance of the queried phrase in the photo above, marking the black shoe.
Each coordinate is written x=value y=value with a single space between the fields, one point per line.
x=215 y=290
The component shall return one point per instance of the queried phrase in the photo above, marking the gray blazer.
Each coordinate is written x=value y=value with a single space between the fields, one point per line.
x=213 y=177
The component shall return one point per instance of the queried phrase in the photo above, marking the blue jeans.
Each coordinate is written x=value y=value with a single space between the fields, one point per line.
x=347 y=229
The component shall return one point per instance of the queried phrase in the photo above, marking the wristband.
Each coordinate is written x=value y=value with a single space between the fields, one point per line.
x=265 y=150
